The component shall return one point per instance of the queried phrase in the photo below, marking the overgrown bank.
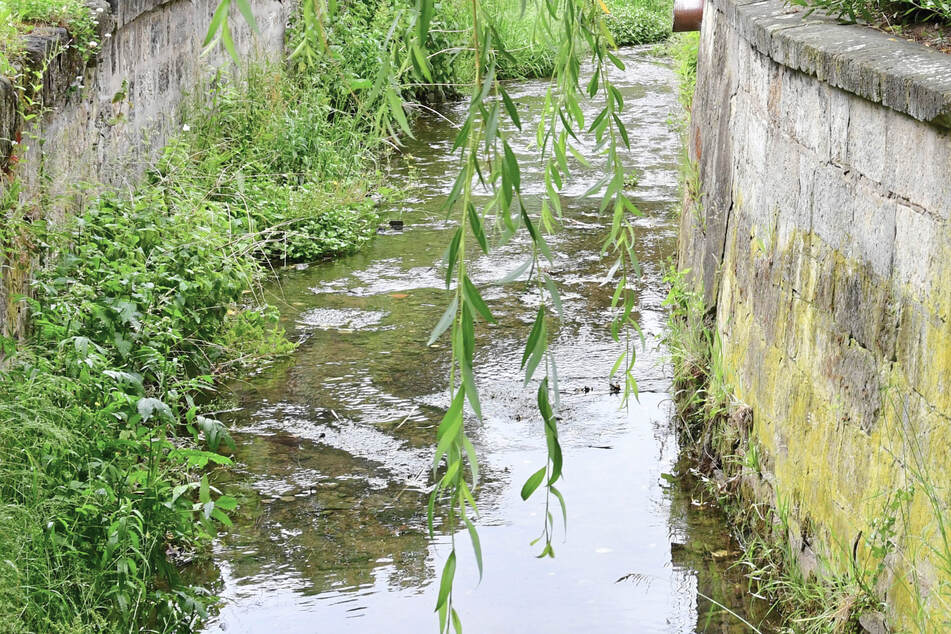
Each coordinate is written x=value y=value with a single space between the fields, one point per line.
x=143 y=301
x=146 y=298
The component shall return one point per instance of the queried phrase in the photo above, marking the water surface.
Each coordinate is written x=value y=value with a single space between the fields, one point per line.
x=334 y=444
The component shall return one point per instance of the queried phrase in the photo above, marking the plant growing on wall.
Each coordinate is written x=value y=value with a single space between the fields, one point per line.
x=583 y=54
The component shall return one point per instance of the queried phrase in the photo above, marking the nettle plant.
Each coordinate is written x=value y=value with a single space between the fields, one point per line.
x=487 y=163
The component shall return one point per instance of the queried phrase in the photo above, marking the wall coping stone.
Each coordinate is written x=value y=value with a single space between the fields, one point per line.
x=902 y=75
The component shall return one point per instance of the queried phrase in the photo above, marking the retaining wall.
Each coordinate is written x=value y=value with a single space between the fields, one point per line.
x=822 y=241
x=103 y=122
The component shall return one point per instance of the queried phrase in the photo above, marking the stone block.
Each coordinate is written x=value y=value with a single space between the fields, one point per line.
x=872 y=239
x=918 y=163
x=866 y=140
x=832 y=206
x=915 y=236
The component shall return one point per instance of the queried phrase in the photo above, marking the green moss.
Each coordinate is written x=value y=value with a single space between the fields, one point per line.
x=842 y=477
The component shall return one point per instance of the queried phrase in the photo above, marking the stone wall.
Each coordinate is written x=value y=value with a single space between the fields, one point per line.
x=822 y=240
x=103 y=122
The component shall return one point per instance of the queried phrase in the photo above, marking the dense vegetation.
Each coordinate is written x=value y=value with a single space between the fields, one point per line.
x=146 y=298
x=884 y=11
x=18 y=17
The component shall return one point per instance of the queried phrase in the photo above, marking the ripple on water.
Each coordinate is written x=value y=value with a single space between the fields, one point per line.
x=341 y=318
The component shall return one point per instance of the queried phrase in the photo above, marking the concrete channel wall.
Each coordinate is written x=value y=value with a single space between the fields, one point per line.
x=822 y=241
x=102 y=122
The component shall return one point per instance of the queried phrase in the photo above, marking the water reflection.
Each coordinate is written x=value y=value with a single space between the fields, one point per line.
x=334 y=444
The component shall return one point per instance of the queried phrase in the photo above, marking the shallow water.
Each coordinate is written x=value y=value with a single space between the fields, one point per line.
x=334 y=444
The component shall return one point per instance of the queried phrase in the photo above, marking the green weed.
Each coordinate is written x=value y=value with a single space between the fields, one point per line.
x=19 y=17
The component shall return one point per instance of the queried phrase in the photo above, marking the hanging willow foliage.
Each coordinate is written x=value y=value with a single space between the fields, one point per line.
x=488 y=162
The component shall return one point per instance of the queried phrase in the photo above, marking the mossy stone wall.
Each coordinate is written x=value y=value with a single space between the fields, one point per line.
x=103 y=122
x=823 y=243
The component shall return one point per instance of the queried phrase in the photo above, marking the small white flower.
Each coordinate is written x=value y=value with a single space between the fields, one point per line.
x=15 y=142
x=186 y=128
x=107 y=35
x=94 y=44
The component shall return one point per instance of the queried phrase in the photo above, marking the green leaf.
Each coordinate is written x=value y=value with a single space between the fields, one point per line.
x=463 y=135
x=149 y=406
x=473 y=460
x=426 y=11
x=204 y=495
x=453 y=255
x=578 y=157
x=491 y=125
x=532 y=483
x=622 y=130
x=456 y=190
x=476 y=545
x=615 y=60
x=534 y=335
x=445 y=583
x=449 y=427
x=518 y=272
x=220 y=515
x=551 y=431
x=555 y=296
x=444 y=322
x=467 y=334
x=510 y=108
x=245 y=8
x=476 y=223
x=564 y=507
x=430 y=512
x=510 y=166
x=226 y=502
x=229 y=43
x=537 y=237
x=537 y=354
x=474 y=299
x=217 y=20
x=420 y=63
x=396 y=109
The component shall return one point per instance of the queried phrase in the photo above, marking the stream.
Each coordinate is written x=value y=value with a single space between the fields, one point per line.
x=334 y=444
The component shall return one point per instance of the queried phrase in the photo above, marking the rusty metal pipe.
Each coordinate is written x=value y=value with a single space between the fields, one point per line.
x=688 y=14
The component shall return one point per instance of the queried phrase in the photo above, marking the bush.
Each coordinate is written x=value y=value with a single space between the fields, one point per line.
x=632 y=23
